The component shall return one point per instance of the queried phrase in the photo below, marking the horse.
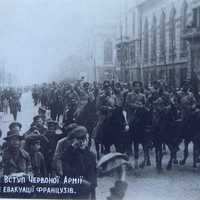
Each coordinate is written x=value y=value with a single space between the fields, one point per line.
x=112 y=132
x=190 y=132
x=88 y=117
x=140 y=128
x=166 y=130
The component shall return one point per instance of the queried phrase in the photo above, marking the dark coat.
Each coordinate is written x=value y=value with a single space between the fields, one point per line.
x=38 y=164
x=76 y=163
x=16 y=163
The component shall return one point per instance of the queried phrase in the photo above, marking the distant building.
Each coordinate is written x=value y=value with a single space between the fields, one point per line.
x=104 y=58
x=155 y=47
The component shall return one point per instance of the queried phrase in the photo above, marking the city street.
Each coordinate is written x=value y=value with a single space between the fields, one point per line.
x=143 y=184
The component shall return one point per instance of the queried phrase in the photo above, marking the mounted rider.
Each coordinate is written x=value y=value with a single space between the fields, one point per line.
x=106 y=103
x=135 y=101
x=187 y=101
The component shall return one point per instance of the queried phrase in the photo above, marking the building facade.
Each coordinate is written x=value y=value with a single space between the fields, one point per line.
x=156 y=47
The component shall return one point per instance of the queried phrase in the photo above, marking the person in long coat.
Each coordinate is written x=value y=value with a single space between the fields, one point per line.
x=15 y=159
x=78 y=161
x=15 y=106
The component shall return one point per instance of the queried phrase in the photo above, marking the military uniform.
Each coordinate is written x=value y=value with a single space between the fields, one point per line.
x=134 y=102
x=187 y=103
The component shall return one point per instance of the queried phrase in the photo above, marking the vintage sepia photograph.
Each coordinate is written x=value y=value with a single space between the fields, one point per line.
x=100 y=99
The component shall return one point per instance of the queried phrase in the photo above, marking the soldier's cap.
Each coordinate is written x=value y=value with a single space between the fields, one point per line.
x=137 y=82
x=15 y=124
x=73 y=101
x=78 y=132
x=42 y=110
x=86 y=84
x=33 y=138
x=106 y=86
x=37 y=117
x=69 y=127
x=155 y=83
x=106 y=82
x=118 y=84
x=11 y=134
x=52 y=123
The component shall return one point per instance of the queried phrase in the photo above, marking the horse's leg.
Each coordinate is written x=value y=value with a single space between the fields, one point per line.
x=148 y=156
x=136 y=153
x=182 y=162
x=175 y=160
x=145 y=150
x=158 y=147
x=164 y=149
x=195 y=154
x=58 y=117
x=97 y=150
x=171 y=149
x=107 y=149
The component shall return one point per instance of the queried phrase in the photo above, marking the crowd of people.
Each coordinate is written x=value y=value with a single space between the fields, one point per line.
x=9 y=101
x=111 y=113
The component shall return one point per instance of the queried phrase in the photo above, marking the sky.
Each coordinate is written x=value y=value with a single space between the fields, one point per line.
x=37 y=35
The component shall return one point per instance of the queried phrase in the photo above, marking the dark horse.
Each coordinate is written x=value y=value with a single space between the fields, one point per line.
x=112 y=132
x=88 y=118
x=140 y=123
x=166 y=130
x=190 y=132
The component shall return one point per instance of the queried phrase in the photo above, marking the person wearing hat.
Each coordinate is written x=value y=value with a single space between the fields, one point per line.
x=15 y=126
x=106 y=102
x=187 y=102
x=135 y=99
x=15 y=159
x=15 y=106
x=69 y=113
x=53 y=138
x=38 y=122
x=135 y=105
x=61 y=146
x=77 y=160
x=42 y=113
x=33 y=147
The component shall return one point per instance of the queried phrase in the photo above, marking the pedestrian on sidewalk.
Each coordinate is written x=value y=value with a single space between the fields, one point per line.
x=15 y=159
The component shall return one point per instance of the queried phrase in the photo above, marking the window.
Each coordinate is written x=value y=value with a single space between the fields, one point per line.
x=172 y=78
x=172 y=34
x=108 y=52
x=183 y=75
x=146 y=42
x=183 y=43
x=153 y=40
x=132 y=53
x=162 y=56
x=196 y=17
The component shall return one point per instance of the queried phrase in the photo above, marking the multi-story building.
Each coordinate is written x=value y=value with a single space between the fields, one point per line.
x=103 y=52
x=156 y=47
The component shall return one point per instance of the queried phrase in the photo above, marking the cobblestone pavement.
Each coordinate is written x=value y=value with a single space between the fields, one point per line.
x=183 y=182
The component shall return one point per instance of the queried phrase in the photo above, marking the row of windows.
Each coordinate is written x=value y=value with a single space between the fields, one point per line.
x=152 y=36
